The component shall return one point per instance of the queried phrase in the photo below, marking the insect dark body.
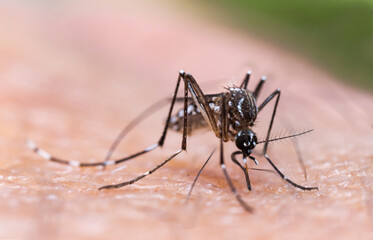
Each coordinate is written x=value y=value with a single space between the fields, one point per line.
x=242 y=113
x=230 y=115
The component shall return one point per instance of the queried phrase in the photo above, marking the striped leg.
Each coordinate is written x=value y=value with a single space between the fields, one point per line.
x=246 y=80
x=44 y=154
x=143 y=175
x=277 y=94
x=258 y=87
x=107 y=162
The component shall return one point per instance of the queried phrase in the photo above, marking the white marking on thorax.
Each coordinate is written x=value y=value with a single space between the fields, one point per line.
x=173 y=119
x=214 y=107
x=234 y=90
x=180 y=114
x=190 y=109
x=239 y=107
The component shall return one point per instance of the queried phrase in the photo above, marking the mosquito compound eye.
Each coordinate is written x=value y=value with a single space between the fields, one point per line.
x=255 y=140
x=241 y=142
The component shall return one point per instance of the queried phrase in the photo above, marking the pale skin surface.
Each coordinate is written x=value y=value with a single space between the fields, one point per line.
x=72 y=76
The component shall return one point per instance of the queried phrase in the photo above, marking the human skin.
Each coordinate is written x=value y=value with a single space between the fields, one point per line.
x=72 y=76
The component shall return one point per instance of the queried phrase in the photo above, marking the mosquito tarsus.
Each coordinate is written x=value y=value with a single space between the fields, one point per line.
x=230 y=115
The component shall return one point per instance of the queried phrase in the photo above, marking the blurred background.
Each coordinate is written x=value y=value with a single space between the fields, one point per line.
x=336 y=35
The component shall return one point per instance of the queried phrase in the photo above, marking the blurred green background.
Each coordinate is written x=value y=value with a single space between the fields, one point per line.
x=336 y=35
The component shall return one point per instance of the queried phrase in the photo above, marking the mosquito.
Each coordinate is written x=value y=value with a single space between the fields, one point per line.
x=231 y=115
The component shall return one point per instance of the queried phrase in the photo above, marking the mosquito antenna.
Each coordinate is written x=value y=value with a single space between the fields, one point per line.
x=300 y=157
x=286 y=137
x=144 y=114
x=199 y=173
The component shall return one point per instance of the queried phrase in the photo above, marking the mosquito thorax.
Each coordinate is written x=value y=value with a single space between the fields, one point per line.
x=246 y=140
x=242 y=108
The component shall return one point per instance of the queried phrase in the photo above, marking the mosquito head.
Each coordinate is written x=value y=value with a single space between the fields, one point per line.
x=246 y=141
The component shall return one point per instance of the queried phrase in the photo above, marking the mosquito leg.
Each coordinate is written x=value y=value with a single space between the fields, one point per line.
x=263 y=170
x=230 y=183
x=143 y=175
x=74 y=163
x=222 y=164
x=161 y=141
x=201 y=101
x=246 y=80
x=199 y=173
x=199 y=98
x=244 y=169
x=288 y=180
x=268 y=99
x=143 y=115
x=164 y=133
x=48 y=156
x=163 y=137
x=258 y=87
